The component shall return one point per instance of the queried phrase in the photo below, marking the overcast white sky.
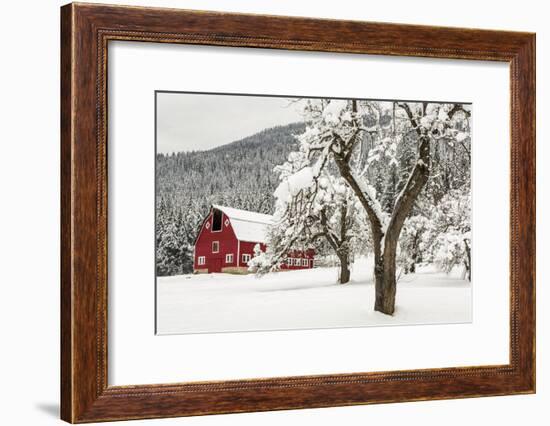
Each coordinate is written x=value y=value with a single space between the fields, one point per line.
x=187 y=122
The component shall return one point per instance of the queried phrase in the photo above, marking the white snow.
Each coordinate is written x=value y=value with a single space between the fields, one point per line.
x=253 y=232
x=310 y=134
x=305 y=299
x=370 y=192
x=427 y=121
x=247 y=225
x=289 y=187
x=244 y=214
x=333 y=111
x=462 y=136
x=442 y=115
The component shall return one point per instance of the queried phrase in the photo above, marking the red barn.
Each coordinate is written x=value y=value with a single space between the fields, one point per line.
x=227 y=238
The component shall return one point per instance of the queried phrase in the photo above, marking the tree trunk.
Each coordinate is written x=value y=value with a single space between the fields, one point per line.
x=468 y=260
x=385 y=254
x=344 y=275
x=385 y=286
x=341 y=245
x=412 y=266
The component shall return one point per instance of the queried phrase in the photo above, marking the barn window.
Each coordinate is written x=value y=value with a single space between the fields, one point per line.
x=217 y=221
x=202 y=260
x=215 y=246
x=296 y=262
x=289 y=261
x=246 y=258
x=304 y=262
x=229 y=258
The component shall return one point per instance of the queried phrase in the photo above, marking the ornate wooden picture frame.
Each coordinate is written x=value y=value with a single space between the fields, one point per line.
x=86 y=31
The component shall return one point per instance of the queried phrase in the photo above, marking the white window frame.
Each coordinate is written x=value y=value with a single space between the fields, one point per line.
x=201 y=260
x=246 y=258
x=305 y=262
x=229 y=258
x=217 y=243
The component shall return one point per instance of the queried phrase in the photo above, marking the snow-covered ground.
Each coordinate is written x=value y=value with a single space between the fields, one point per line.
x=305 y=299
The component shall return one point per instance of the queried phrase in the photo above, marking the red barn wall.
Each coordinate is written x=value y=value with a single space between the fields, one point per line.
x=228 y=243
x=308 y=254
x=203 y=246
x=248 y=248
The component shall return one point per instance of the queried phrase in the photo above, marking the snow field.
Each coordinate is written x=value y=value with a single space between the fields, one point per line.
x=305 y=299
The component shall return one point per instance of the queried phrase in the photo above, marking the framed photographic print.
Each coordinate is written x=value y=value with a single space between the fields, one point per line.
x=265 y=213
x=259 y=217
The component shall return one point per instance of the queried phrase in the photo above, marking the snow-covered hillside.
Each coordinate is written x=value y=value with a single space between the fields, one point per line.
x=305 y=299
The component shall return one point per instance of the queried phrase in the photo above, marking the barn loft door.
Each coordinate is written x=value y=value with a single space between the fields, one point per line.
x=217 y=221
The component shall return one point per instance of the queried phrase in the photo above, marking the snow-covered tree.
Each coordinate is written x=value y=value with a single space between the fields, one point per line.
x=313 y=207
x=411 y=242
x=293 y=208
x=339 y=222
x=174 y=249
x=345 y=132
x=448 y=240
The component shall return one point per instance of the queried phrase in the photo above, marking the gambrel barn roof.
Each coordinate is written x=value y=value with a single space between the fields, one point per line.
x=248 y=226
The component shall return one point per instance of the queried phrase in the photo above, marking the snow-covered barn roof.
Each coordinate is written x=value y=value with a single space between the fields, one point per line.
x=248 y=226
